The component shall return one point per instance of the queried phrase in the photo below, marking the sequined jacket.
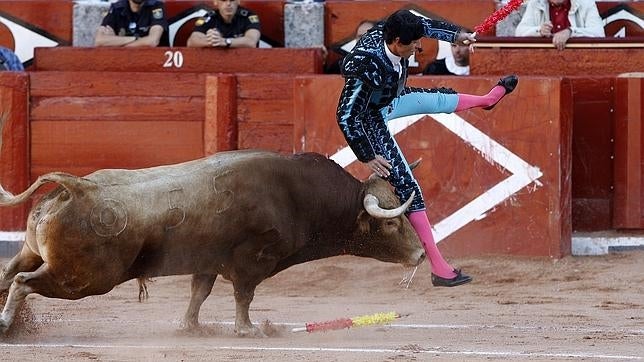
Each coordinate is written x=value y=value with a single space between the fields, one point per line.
x=372 y=82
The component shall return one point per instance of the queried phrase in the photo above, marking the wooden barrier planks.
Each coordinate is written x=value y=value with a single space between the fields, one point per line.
x=220 y=124
x=14 y=150
x=534 y=123
x=592 y=61
x=592 y=152
x=48 y=19
x=189 y=60
x=84 y=121
x=628 y=206
x=81 y=147
x=591 y=72
x=265 y=112
x=116 y=84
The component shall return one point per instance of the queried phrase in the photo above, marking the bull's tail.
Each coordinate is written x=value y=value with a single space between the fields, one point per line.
x=70 y=182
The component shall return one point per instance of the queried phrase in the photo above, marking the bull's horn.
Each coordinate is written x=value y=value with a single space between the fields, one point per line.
x=415 y=164
x=370 y=203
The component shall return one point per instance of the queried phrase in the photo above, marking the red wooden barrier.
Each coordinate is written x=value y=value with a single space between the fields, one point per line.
x=28 y=22
x=191 y=60
x=14 y=142
x=629 y=135
x=592 y=152
x=536 y=56
x=265 y=112
x=84 y=121
x=591 y=71
x=534 y=123
x=220 y=125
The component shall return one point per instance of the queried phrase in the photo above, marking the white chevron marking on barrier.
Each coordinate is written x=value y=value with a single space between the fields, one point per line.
x=523 y=174
x=26 y=40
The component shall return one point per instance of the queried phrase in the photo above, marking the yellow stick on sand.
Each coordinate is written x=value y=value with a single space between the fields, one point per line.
x=361 y=321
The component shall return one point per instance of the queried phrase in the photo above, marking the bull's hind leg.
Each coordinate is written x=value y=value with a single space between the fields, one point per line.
x=25 y=261
x=25 y=283
x=200 y=289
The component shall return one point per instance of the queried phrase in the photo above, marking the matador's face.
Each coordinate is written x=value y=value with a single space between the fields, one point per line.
x=405 y=50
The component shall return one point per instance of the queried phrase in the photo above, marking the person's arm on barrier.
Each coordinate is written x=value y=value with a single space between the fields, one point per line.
x=560 y=38
x=106 y=37
x=249 y=40
x=150 y=40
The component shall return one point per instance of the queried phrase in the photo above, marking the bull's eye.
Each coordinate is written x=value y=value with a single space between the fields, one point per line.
x=391 y=225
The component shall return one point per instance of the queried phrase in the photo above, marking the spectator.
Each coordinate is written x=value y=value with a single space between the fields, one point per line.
x=9 y=60
x=362 y=28
x=230 y=26
x=561 y=20
x=455 y=62
x=134 y=23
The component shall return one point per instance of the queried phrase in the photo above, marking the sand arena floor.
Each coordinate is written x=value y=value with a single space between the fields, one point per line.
x=589 y=308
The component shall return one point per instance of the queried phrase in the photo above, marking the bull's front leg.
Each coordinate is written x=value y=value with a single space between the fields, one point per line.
x=244 y=293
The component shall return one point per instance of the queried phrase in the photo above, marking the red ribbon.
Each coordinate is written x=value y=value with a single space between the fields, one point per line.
x=497 y=16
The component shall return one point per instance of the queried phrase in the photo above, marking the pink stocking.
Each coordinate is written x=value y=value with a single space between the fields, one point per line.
x=467 y=101
x=439 y=266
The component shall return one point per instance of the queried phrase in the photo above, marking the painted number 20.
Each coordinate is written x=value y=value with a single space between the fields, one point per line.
x=173 y=59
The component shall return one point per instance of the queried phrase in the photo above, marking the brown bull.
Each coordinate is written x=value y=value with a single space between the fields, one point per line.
x=245 y=215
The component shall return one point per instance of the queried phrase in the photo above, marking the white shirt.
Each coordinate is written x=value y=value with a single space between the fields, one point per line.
x=395 y=60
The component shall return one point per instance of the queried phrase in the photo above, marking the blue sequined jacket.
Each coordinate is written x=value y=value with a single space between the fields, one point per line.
x=371 y=83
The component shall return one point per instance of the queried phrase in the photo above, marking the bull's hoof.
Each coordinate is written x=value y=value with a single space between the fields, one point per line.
x=198 y=330
x=4 y=327
x=190 y=326
x=250 y=332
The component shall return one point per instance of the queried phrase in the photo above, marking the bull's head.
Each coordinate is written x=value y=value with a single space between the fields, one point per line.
x=384 y=232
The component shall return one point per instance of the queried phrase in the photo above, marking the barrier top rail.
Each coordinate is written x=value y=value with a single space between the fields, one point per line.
x=583 y=43
x=164 y=59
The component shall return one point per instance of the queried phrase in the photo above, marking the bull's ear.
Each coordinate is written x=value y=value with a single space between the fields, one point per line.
x=415 y=164
x=363 y=222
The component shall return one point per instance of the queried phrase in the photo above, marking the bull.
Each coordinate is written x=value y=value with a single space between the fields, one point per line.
x=244 y=215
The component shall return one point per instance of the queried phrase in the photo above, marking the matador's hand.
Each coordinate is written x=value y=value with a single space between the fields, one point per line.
x=465 y=38
x=379 y=166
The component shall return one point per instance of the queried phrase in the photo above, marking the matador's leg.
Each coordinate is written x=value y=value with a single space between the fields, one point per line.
x=445 y=100
x=403 y=181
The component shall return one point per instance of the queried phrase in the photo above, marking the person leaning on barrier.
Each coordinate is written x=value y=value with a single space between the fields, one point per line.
x=230 y=26
x=561 y=20
x=456 y=62
x=9 y=60
x=134 y=23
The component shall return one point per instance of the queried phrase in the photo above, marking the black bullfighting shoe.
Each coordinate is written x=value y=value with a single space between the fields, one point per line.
x=459 y=279
x=509 y=83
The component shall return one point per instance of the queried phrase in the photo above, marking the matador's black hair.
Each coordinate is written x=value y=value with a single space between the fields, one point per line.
x=404 y=25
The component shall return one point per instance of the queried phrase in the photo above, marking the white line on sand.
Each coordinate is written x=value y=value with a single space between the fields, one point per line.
x=207 y=347
x=572 y=329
